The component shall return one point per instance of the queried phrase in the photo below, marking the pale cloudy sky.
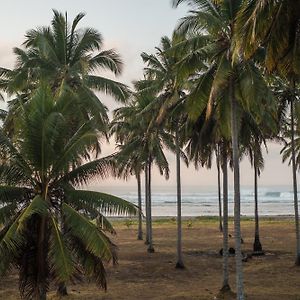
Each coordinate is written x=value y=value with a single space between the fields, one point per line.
x=130 y=26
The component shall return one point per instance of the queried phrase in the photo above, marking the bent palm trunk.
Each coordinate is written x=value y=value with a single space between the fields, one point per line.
x=297 y=262
x=140 y=230
x=237 y=203
x=179 y=264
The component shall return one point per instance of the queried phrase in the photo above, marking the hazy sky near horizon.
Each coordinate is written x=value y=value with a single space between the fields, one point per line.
x=131 y=27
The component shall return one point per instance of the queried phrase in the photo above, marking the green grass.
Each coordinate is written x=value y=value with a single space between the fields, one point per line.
x=192 y=221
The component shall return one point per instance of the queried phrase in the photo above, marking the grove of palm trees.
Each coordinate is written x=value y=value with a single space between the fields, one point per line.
x=218 y=92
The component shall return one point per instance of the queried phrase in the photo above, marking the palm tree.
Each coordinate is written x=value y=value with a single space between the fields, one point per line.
x=238 y=81
x=208 y=135
x=162 y=77
x=145 y=144
x=123 y=128
x=263 y=24
x=39 y=172
x=253 y=137
x=67 y=58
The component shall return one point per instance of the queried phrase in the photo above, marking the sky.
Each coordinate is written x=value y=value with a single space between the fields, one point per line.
x=131 y=27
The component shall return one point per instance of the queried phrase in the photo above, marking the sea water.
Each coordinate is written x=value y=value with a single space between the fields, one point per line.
x=203 y=201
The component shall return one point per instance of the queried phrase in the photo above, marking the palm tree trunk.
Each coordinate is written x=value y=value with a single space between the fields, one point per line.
x=62 y=287
x=140 y=230
x=257 y=248
x=226 y=286
x=179 y=264
x=219 y=189
x=40 y=293
x=62 y=290
x=150 y=246
x=147 y=204
x=297 y=262
x=237 y=201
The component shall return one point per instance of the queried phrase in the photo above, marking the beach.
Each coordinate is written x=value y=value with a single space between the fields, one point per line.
x=140 y=275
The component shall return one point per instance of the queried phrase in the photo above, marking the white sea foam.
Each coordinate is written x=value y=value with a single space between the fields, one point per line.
x=198 y=201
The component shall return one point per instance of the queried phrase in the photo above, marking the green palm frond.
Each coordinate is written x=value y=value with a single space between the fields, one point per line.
x=118 y=90
x=104 y=203
x=93 y=239
x=99 y=168
x=61 y=259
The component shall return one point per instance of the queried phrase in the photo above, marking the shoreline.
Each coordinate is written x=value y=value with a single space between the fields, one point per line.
x=204 y=218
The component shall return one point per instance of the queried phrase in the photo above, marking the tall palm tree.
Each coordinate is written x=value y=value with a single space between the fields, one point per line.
x=240 y=80
x=39 y=172
x=208 y=135
x=123 y=127
x=145 y=145
x=253 y=137
x=67 y=58
x=262 y=24
x=162 y=77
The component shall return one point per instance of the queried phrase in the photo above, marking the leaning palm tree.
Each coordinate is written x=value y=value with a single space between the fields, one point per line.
x=262 y=24
x=50 y=230
x=68 y=58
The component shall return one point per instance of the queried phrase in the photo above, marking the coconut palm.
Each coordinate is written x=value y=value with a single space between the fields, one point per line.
x=123 y=128
x=260 y=24
x=50 y=230
x=144 y=144
x=163 y=78
x=253 y=137
x=69 y=59
x=208 y=135
x=240 y=80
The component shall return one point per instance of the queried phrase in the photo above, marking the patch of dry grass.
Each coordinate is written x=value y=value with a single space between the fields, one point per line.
x=140 y=275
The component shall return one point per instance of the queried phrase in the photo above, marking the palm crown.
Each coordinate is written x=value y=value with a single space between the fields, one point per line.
x=48 y=230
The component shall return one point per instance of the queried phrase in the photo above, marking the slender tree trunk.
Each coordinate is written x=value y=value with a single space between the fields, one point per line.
x=147 y=204
x=150 y=246
x=62 y=290
x=219 y=189
x=257 y=245
x=40 y=293
x=62 y=287
x=179 y=264
x=140 y=230
x=297 y=262
x=41 y=284
x=237 y=203
x=226 y=286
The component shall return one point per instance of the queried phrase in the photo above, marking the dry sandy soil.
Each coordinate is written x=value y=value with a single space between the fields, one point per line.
x=140 y=275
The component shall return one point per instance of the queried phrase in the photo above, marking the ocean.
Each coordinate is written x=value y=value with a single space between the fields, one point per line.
x=203 y=201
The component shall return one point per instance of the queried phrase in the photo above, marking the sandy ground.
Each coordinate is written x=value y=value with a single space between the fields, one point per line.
x=140 y=275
